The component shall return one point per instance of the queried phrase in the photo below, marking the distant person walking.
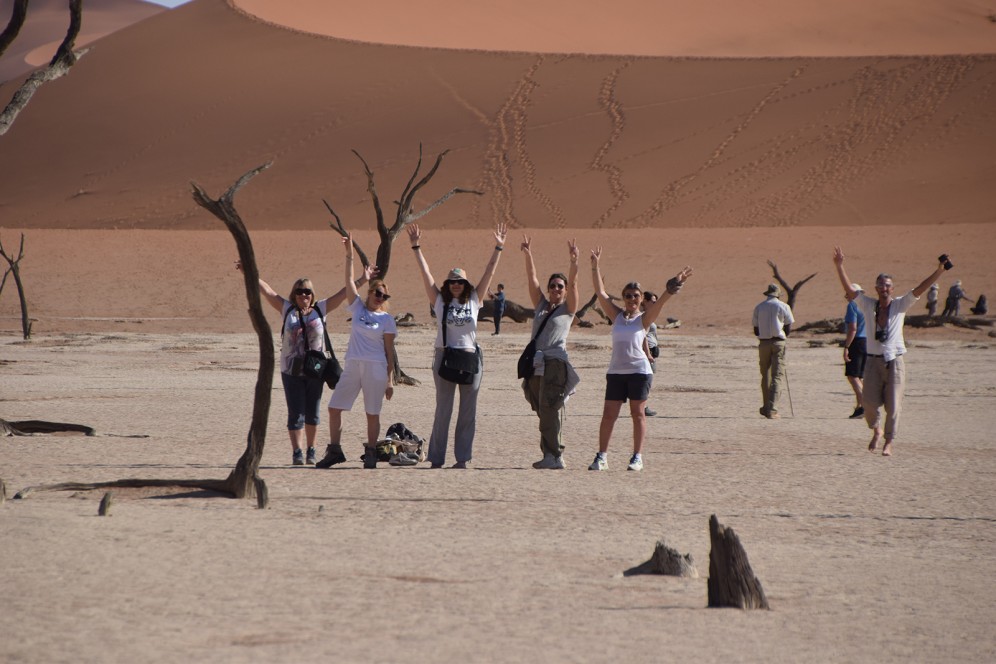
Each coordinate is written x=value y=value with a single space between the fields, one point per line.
x=932 y=300
x=629 y=375
x=885 y=371
x=547 y=389
x=855 y=352
x=772 y=324
x=302 y=329
x=499 y=307
x=953 y=302
x=456 y=305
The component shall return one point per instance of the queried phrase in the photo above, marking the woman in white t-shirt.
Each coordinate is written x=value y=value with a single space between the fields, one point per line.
x=369 y=364
x=629 y=375
x=303 y=394
x=456 y=305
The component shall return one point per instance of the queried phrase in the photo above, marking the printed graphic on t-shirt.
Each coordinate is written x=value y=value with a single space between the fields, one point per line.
x=368 y=320
x=458 y=314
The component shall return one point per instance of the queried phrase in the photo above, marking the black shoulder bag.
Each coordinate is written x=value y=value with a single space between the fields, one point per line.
x=526 y=359
x=316 y=363
x=458 y=366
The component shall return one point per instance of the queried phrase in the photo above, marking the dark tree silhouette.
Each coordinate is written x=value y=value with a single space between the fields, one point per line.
x=14 y=268
x=791 y=291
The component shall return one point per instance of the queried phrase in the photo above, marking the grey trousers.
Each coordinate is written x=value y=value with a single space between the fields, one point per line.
x=771 y=356
x=885 y=385
x=463 y=438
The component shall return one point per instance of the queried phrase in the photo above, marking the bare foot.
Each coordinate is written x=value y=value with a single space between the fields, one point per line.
x=873 y=445
x=887 y=448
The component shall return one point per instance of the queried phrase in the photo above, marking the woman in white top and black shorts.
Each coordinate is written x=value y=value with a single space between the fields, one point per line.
x=629 y=375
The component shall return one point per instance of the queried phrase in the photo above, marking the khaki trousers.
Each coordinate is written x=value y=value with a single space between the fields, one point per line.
x=771 y=355
x=885 y=385
x=546 y=397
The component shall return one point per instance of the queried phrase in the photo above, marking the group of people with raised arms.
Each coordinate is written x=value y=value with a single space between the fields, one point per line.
x=370 y=356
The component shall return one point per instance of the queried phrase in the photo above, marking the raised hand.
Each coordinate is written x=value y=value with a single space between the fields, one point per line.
x=348 y=244
x=596 y=255
x=501 y=229
x=526 y=241
x=838 y=256
x=370 y=272
x=572 y=246
x=414 y=234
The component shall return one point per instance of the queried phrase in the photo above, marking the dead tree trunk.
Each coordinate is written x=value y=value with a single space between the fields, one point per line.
x=15 y=269
x=404 y=215
x=29 y=427
x=59 y=66
x=731 y=580
x=244 y=480
x=791 y=291
x=516 y=312
x=666 y=561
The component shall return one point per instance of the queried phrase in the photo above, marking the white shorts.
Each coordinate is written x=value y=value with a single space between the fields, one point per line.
x=371 y=377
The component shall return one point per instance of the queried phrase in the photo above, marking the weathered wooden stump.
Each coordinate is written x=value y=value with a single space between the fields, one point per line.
x=731 y=579
x=105 y=505
x=3 y=491
x=667 y=561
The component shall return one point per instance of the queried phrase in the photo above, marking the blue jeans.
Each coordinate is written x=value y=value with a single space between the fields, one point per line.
x=303 y=395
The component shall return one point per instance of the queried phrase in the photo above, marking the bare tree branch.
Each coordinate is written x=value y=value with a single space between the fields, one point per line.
x=17 y=16
x=791 y=291
x=340 y=228
x=15 y=269
x=63 y=60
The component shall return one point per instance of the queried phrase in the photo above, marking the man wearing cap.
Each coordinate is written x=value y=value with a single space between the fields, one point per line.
x=855 y=350
x=772 y=324
x=953 y=304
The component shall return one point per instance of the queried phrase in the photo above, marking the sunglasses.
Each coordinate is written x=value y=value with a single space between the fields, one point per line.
x=381 y=295
x=556 y=287
x=631 y=296
x=459 y=282
x=303 y=291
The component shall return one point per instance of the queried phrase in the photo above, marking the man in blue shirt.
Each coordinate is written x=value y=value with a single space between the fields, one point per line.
x=499 y=301
x=855 y=350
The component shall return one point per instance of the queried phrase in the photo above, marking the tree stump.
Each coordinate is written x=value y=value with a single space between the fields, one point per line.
x=731 y=579
x=105 y=505
x=3 y=491
x=667 y=561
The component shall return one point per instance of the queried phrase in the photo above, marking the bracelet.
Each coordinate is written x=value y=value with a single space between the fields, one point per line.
x=416 y=247
x=497 y=248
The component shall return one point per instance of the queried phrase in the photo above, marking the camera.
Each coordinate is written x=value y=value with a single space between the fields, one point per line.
x=943 y=258
x=880 y=335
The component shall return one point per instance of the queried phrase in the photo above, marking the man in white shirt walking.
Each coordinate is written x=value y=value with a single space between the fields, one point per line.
x=772 y=324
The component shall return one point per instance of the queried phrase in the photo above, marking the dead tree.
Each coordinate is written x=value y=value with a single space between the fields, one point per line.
x=666 y=561
x=31 y=427
x=403 y=216
x=515 y=311
x=65 y=57
x=731 y=580
x=15 y=269
x=790 y=291
x=244 y=480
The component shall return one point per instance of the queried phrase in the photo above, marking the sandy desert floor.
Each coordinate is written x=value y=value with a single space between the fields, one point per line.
x=862 y=558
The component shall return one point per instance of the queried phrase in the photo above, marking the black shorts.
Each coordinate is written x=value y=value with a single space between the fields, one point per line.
x=855 y=368
x=620 y=387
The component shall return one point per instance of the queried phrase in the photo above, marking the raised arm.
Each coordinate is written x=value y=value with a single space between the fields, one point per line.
x=925 y=284
x=845 y=281
x=351 y=292
x=572 y=277
x=484 y=285
x=674 y=284
x=532 y=283
x=369 y=272
x=431 y=290
x=270 y=295
x=610 y=308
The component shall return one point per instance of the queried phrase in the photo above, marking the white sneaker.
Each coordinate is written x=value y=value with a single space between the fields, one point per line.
x=402 y=460
x=599 y=463
x=635 y=463
x=558 y=463
x=545 y=463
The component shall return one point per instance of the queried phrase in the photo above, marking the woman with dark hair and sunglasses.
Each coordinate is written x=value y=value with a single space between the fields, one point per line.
x=303 y=318
x=369 y=364
x=455 y=305
x=629 y=375
x=550 y=385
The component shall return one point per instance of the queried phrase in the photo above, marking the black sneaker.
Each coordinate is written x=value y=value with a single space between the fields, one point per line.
x=370 y=458
x=309 y=458
x=858 y=412
x=333 y=455
x=298 y=458
x=648 y=412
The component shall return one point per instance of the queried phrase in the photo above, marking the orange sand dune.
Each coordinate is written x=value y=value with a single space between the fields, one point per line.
x=205 y=93
x=723 y=28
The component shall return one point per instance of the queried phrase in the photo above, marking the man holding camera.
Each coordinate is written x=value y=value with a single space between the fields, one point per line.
x=885 y=371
